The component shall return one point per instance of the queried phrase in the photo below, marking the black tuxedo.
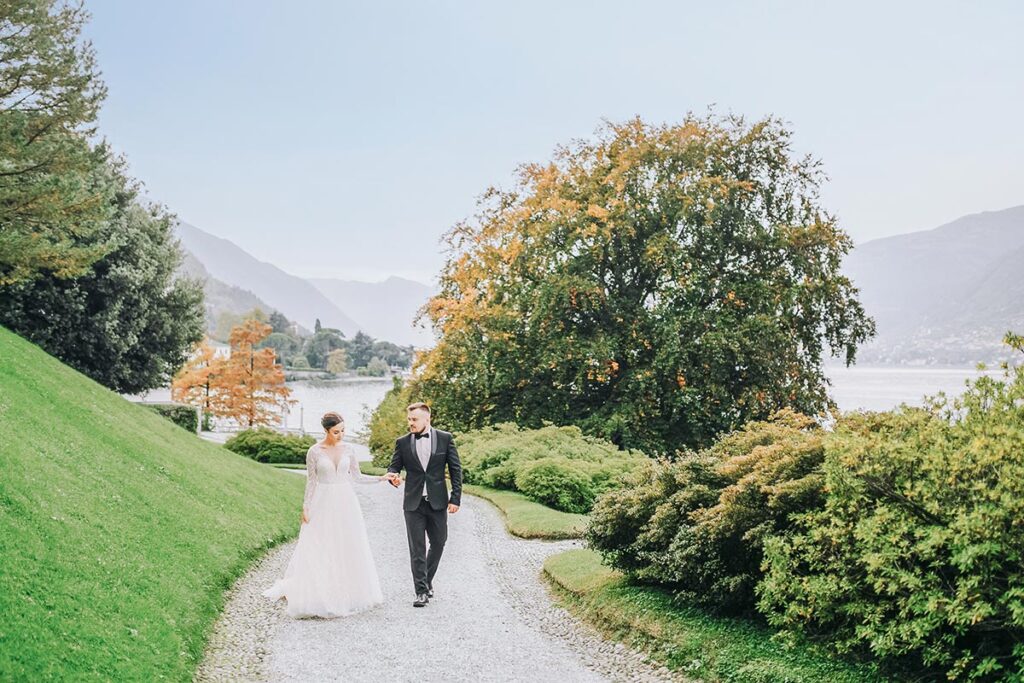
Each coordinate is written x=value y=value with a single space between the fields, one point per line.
x=427 y=514
x=442 y=453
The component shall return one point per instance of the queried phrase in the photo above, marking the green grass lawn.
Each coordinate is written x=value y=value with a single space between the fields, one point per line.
x=529 y=519
x=689 y=641
x=119 y=531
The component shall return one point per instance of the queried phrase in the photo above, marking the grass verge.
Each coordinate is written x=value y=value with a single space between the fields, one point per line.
x=686 y=640
x=119 y=531
x=529 y=519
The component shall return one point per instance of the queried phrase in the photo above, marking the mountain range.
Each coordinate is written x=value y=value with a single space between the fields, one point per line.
x=939 y=297
x=944 y=296
x=236 y=282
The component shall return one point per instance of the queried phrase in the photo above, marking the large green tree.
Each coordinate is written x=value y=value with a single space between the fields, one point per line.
x=50 y=92
x=656 y=285
x=126 y=322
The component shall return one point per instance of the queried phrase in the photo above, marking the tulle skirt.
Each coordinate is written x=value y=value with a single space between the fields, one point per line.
x=331 y=572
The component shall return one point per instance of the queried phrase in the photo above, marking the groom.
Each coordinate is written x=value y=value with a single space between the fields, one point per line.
x=424 y=454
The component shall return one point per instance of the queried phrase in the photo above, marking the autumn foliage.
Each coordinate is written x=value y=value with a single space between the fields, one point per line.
x=248 y=386
x=655 y=286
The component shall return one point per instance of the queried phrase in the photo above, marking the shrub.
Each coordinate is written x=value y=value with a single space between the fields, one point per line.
x=387 y=423
x=186 y=417
x=555 y=483
x=556 y=466
x=375 y=368
x=698 y=525
x=918 y=553
x=301 y=363
x=266 y=445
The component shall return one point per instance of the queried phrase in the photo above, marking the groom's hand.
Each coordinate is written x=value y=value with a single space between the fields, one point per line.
x=452 y=508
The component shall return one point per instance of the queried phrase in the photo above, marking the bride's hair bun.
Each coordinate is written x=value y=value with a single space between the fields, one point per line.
x=331 y=419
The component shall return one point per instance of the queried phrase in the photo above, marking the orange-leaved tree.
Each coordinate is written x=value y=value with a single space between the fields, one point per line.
x=195 y=383
x=250 y=385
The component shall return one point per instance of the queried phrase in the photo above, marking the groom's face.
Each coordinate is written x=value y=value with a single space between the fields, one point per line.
x=418 y=420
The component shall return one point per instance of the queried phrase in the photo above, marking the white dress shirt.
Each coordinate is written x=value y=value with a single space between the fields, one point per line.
x=423 y=451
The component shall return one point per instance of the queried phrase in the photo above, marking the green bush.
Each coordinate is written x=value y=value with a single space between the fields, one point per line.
x=375 y=368
x=918 y=554
x=266 y=445
x=698 y=525
x=186 y=417
x=387 y=423
x=556 y=466
x=300 y=363
x=555 y=483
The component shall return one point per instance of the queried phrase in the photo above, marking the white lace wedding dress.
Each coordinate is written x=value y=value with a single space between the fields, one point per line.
x=331 y=573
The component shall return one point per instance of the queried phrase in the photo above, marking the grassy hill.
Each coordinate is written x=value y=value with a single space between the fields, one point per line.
x=119 y=531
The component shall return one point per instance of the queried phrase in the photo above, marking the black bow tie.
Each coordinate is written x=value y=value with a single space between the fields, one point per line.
x=422 y=435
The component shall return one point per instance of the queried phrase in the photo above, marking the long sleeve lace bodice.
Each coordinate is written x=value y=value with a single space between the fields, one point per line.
x=320 y=469
x=311 y=475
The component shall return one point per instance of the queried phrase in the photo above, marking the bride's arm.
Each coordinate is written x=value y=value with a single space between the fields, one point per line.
x=310 y=479
x=358 y=476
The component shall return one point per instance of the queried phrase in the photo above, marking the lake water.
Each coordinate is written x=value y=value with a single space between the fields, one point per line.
x=867 y=388
x=350 y=398
x=883 y=388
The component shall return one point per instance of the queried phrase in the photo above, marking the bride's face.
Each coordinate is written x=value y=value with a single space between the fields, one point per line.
x=335 y=434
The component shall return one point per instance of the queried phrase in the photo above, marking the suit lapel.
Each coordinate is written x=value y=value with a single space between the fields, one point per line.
x=413 y=456
x=435 y=446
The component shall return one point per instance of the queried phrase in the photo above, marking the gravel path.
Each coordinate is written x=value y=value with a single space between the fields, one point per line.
x=491 y=619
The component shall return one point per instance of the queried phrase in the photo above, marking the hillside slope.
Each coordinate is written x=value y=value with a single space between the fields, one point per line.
x=119 y=531
x=943 y=296
x=297 y=299
x=220 y=297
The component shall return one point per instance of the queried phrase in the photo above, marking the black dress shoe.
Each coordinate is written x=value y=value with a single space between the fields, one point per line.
x=421 y=600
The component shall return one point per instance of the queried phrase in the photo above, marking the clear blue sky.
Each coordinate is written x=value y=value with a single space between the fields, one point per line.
x=342 y=140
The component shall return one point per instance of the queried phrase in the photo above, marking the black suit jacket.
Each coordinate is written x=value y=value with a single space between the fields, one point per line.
x=443 y=453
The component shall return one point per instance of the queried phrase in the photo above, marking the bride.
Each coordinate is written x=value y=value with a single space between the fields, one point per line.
x=331 y=572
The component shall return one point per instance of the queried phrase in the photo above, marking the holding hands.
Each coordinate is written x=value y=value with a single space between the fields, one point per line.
x=393 y=478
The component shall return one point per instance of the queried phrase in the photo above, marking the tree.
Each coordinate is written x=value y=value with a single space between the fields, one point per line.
x=337 y=362
x=360 y=350
x=251 y=387
x=50 y=93
x=316 y=326
x=655 y=286
x=393 y=354
x=228 y=321
x=375 y=368
x=318 y=346
x=279 y=323
x=126 y=322
x=195 y=382
x=285 y=346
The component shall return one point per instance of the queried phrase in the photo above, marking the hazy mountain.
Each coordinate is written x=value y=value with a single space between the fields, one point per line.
x=386 y=309
x=944 y=296
x=219 y=296
x=296 y=298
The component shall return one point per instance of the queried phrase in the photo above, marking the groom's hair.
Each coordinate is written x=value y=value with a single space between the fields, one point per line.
x=418 y=406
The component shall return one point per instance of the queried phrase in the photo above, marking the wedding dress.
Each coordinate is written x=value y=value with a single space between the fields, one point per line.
x=331 y=572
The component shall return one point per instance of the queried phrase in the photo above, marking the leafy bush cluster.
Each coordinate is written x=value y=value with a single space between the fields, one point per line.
x=266 y=445
x=918 y=553
x=698 y=525
x=556 y=466
x=387 y=423
x=186 y=417
x=898 y=536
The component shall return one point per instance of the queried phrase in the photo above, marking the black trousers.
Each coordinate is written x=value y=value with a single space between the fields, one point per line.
x=421 y=524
